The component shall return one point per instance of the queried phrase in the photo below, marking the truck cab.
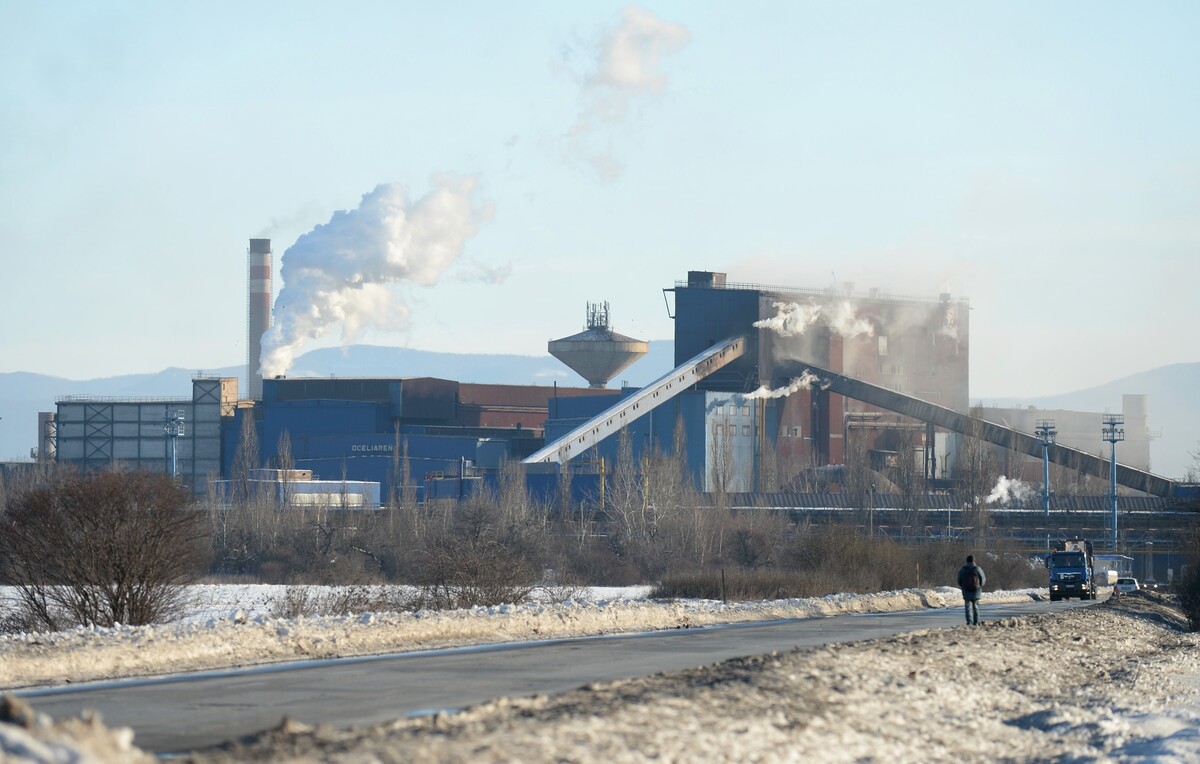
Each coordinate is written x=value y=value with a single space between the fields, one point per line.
x=1071 y=571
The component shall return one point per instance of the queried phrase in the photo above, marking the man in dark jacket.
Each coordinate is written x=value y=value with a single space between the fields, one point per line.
x=971 y=581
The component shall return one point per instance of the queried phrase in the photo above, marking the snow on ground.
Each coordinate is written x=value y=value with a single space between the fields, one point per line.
x=1116 y=682
x=245 y=633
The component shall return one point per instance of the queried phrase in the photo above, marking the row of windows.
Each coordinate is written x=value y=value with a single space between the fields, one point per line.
x=733 y=410
x=732 y=430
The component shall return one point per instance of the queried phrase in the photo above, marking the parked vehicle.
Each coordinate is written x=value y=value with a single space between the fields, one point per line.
x=1127 y=585
x=1072 y=570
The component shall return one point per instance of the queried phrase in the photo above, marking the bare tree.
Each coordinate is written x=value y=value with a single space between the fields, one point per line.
x=976 y=472
x=625 y=503
x=907 y=475
x=1193 y=471
x=245 y=457
x=768 y=466
x=286 y=463
x=473 y=558
x=103 y=549
x=721 y=465
x=857 y=479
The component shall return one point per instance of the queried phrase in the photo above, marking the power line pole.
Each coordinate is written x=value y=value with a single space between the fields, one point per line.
x=1113 y=433
x=172 y=428
x=1046 y=433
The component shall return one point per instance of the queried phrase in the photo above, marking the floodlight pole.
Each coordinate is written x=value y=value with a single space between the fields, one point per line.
x=1046 y=433
x=1113 y=433
x=172 y=428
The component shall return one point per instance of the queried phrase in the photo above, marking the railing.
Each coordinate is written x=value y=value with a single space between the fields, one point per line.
x=121 y=399
x=810 y=292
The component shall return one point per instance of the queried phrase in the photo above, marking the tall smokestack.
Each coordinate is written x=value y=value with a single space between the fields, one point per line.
x=258 y=280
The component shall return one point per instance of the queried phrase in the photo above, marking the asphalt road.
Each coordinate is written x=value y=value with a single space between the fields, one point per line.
x=191 y=711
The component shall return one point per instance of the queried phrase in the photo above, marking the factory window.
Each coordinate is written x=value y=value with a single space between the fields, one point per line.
x=882 y=345
x=746 y=430
x=746 y=410
x=794 y=432
x=732 y=430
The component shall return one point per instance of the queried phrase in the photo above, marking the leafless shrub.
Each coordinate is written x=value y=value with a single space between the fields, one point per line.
x=1189 y=581
x=740 y=585
x=595 y=562
x=310 y=601
x=559 y=593
x=109 y=548
x=478 y=558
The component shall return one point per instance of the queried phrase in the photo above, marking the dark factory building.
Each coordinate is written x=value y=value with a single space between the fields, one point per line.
x=770 y=386
x=357 y=429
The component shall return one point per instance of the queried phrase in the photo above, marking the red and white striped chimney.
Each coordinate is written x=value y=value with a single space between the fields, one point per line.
x=258 y=279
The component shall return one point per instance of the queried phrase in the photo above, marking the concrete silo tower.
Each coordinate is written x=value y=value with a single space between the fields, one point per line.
x=598 y=354
x=258 y=321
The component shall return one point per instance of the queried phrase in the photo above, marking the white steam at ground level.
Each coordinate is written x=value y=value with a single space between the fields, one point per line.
x=342 y=273
x=1009 y=490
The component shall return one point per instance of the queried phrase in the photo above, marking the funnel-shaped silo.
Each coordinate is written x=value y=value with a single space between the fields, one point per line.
x=598 y=354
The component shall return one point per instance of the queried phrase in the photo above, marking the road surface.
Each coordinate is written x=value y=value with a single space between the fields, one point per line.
x=191 y=711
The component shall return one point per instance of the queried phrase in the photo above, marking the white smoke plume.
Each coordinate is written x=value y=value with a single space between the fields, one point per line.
x=844 y=320
x=1008 y=491
x=340 y=273
x=949 y=327
x=628 y=65
x=790 y=319
x=805 y=381
x=793 y=319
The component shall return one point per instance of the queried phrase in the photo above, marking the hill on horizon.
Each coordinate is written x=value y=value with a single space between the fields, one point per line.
x=1174 y=408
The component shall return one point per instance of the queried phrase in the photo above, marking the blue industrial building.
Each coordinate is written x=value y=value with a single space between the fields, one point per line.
x=364 y=429
x=459 y=434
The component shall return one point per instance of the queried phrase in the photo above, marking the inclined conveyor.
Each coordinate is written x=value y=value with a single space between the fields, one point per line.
x=1000 y=435
x=611 y=420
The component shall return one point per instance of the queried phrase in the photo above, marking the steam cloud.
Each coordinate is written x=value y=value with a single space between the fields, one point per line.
x=1007 y=491
x=628 y=65
x=793 y=319
x=339 y=273
x=805 y=381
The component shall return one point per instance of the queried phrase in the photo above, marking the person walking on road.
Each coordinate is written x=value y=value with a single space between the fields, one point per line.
x=971 y=580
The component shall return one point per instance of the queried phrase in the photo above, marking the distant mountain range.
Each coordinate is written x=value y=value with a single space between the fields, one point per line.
x=1172 y=390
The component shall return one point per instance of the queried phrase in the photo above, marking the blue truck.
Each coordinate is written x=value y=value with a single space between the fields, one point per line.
x=1072 y=570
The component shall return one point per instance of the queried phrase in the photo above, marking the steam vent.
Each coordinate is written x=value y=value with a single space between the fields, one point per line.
x=599 y=353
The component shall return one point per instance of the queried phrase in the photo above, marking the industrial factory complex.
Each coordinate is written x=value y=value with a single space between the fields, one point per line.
x=771 y=386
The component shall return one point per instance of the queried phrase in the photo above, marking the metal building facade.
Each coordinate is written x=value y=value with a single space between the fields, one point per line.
x=912 y=345
x=95 y=432
x=357 y=428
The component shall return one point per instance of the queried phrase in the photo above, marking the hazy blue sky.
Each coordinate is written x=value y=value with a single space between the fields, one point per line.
x=1040 y=159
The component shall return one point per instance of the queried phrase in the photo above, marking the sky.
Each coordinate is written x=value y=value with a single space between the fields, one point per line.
x=468 y=177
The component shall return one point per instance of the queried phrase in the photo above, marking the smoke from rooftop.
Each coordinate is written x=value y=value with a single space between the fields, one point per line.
x=805 y=381
x=792 y=319
x=343 y=274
